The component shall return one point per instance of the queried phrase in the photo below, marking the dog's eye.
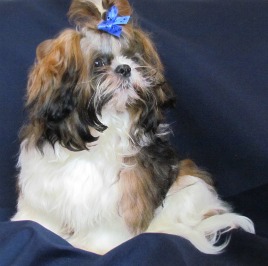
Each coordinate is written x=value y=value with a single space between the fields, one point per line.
x=135 y=59
x=99 y=62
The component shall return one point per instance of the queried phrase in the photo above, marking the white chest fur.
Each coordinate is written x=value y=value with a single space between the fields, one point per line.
x=75 y=192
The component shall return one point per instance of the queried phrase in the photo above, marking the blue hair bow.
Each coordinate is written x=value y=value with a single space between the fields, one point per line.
x=112 y=22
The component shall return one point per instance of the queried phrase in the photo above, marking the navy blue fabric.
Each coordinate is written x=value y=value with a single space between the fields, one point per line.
x=27 y=243
x=216 y=59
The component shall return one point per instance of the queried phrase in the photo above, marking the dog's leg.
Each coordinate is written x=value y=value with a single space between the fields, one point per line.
x=193 y=210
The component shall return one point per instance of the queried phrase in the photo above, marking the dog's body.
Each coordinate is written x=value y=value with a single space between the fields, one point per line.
x=96 y=165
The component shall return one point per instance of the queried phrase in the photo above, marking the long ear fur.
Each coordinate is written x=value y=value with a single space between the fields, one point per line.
x=54 y=76
x=56 y=85
x=164 y=93
x=148 y=113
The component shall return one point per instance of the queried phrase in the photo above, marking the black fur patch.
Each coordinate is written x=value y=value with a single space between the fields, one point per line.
x=63 y=101
x=65 y=119
x=162 y=162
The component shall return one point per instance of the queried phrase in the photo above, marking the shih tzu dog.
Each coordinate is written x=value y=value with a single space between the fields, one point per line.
x=96 y=164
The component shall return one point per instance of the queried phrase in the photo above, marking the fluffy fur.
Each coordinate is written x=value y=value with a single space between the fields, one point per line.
x=96 y=165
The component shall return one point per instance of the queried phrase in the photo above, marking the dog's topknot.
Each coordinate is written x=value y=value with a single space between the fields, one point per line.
x=89 y=13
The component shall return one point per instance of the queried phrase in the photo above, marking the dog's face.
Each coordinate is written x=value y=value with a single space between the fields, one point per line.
x=120 y=74
x=82 y=72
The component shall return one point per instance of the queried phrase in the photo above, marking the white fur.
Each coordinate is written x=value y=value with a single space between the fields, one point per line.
x=77 y=191
x=98 y=4
x=93 y=40
x=185 y=212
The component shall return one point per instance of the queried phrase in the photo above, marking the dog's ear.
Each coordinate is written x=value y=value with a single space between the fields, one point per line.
x=54 y=77
x=164 y=94
x=58 y=95
x=89 y=13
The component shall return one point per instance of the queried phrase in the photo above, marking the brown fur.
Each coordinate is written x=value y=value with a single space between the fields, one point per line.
x=188 y=167
x=54 y=57
x=124 y=8
x=84 y=14
x=139 y=196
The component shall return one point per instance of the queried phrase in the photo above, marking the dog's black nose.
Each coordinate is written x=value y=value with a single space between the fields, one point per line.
x=124 y=70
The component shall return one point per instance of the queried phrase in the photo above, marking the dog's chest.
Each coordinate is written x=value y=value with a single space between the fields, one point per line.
x=78 y=187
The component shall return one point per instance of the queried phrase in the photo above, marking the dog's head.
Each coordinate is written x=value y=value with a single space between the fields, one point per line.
x=84 y=71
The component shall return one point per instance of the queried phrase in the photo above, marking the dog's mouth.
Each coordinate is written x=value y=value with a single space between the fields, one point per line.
x=124 y=95
x=115 y=91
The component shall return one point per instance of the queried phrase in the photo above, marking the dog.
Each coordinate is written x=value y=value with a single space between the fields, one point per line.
x=96 y=163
